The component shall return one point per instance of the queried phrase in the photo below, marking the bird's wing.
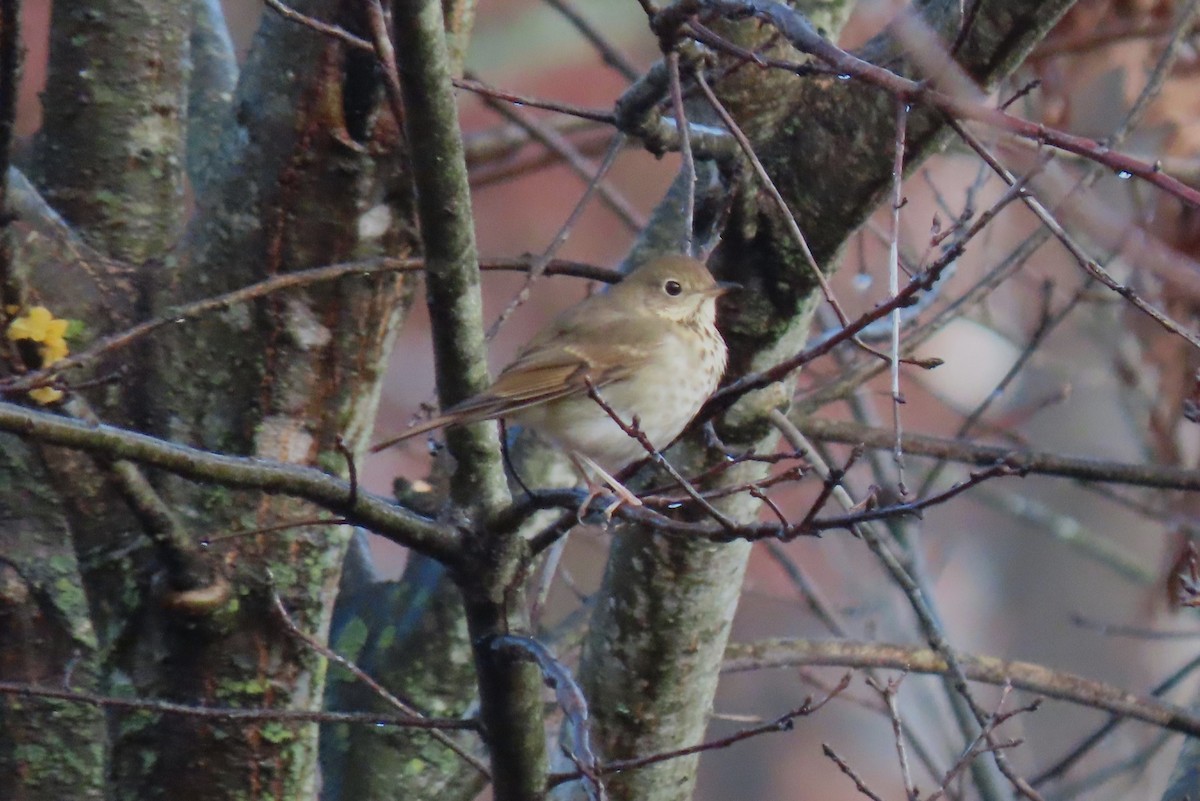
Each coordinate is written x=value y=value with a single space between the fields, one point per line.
x=546 y=370
x=543 y=375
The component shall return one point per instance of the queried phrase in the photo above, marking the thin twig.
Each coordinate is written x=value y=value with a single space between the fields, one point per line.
x=538 y=267
x=845 y=768
x=789 y=219
x=569 y=696
x=783 y=723
x=1036 y=462
x=358 y=43
x=816 y=602
x=405 y=709
x=1046 y=325
x=688 y=162
x=889 y=692
x=751 y=532
x=381 y=515
x=797 y=30
x=385 y=54
x=233 y=714
x=894 y=285
x=323 y=28
x=612 y=57
x=579 y=164
x=1065 y=763
x=727 y=395
x=1029 y=676
x=479 y=87
x=178 y=315
x=489 y=168
x=1089 y=265
x=634 y=431
x=1012 y=262
x=187 y=569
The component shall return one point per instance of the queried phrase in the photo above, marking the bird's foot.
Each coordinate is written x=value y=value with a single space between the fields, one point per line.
x=587 y=467
x=623 y=498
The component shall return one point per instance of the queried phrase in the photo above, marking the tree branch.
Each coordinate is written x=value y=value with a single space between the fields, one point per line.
x=509 y=689
x=1040 y=462
x=441 y=541
x=447 y=232
x=236 y=714
x=991 y=670
x=210 y=92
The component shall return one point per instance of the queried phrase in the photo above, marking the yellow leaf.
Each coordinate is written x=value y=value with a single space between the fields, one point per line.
x=53 y=350
x=37 y=324
x=46 y=395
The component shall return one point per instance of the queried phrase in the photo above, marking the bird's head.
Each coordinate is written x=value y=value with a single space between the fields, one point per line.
x=673 y=287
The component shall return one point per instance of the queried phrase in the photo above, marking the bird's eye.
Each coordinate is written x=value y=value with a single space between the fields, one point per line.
x=672 y=287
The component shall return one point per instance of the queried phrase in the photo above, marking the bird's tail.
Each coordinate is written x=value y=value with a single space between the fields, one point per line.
x=475 y=409
x=441 y=421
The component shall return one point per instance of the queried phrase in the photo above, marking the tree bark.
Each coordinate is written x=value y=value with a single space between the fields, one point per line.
x=826 y=144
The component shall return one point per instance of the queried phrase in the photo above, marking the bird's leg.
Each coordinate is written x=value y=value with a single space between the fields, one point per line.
x=507 y=456
x=587 y=467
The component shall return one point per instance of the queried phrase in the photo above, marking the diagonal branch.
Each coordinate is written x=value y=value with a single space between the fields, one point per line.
x=805 y=38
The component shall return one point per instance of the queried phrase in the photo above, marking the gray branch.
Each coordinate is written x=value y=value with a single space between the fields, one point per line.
x=335 y=494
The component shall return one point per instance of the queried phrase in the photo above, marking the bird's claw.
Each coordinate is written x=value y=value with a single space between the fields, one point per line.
x=622 y=497
x=587 y=467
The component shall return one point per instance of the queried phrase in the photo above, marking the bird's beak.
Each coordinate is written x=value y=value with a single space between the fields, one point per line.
x=724 y=288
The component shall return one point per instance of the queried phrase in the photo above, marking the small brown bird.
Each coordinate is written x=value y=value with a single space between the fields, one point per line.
x=649 y=346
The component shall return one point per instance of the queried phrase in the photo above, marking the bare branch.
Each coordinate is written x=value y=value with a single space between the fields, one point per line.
x=378 y=514
x=1022 y=675
x=235 y=714
x=612 y=57
x=783 y=723
x=1038 y=462
x=177 y=315
x=803 y=37
x=358 y=673
x=845 y=768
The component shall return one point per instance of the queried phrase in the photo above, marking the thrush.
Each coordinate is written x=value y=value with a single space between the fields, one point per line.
x=648 y=347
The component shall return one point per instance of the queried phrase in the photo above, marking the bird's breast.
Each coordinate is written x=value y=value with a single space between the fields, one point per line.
x=663 y=393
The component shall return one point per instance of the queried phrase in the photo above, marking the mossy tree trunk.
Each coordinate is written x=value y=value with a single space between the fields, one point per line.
x=295 y=161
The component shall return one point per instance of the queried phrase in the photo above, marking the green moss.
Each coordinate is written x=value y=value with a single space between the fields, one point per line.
x=387 y=637
x=276 y=732
x=32 y=756
x=331 y=462
x=352 y=638
x=77 y=331
x=104 y=197
x=61 y=579
x=233 y=689
x=284 y=574
x=61 y=564
x=215 y=498
x=133 y=722
x=57 y=764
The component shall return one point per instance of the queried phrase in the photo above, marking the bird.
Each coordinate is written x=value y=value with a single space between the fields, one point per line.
x=648 y=347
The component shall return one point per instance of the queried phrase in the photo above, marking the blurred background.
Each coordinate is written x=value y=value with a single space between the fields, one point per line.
x=1036 y=569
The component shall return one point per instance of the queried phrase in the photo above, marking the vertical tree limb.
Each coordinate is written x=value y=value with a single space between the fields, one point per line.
x=509 y=690
x=827 y=146
x=210 y=92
